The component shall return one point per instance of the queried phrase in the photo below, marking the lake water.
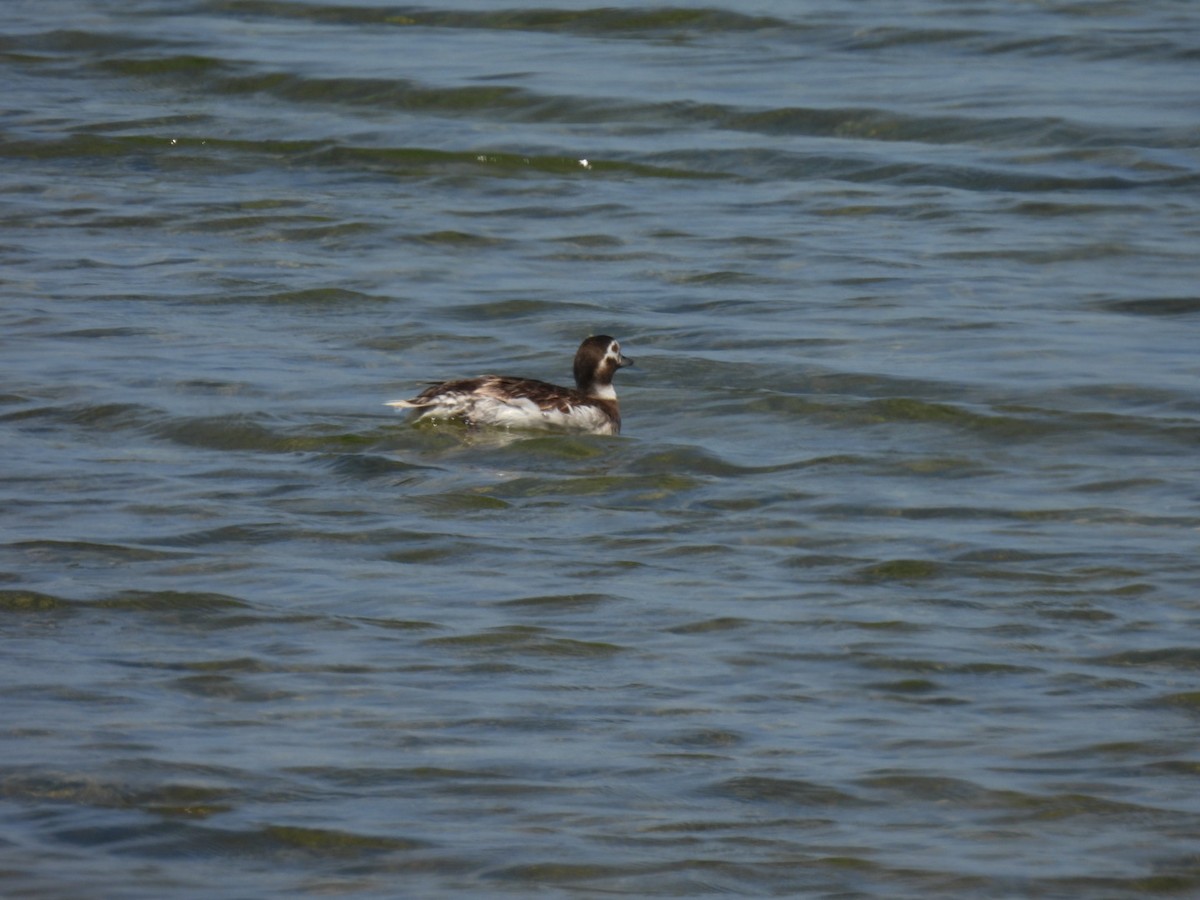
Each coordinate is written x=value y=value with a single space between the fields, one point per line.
x=889 y=589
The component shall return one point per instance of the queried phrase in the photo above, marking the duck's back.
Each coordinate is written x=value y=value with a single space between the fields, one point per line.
x=528 y=403
x=511 y=402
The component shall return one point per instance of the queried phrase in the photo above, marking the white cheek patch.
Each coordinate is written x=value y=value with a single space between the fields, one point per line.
x=608 y=367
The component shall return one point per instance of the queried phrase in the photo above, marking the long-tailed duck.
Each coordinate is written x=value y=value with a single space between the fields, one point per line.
x=527 y=403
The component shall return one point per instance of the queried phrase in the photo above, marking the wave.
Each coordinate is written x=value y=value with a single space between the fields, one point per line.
x=693 y=24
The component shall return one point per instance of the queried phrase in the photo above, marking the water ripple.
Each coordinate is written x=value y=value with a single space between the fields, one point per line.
x=887 y=583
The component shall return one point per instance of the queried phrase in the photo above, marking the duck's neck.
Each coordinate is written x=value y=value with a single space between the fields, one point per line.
x=598 y=391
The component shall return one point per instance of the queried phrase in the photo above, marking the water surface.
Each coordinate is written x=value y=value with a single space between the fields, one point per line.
x=887 y=589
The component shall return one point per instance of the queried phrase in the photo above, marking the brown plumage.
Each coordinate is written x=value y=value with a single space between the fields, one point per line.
x=509 y=401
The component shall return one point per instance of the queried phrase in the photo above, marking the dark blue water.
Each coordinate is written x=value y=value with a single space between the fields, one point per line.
x=887 y=589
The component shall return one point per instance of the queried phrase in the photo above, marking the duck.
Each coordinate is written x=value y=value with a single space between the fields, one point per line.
x=510 y=402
